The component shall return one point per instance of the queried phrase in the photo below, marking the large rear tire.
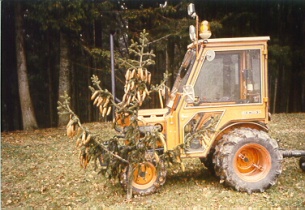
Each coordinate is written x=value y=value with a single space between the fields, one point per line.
x=248 y=160
x=147 y=177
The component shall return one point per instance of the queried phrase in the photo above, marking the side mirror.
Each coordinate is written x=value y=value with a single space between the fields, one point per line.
x=189 y=92
x=192 y=33
x=191 y=10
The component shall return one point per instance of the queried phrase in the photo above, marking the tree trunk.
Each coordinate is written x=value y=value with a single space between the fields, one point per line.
x=50 y=84
x=27 y=109
x=64 y=75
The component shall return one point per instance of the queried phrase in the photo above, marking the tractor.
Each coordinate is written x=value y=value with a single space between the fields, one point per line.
x=218 y=109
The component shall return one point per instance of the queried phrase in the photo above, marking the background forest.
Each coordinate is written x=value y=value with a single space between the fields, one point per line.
x=56 y=45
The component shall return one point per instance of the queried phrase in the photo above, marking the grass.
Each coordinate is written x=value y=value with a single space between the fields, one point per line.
x=41 y=169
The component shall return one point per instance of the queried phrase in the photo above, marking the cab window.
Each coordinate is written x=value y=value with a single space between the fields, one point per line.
x=230 y=76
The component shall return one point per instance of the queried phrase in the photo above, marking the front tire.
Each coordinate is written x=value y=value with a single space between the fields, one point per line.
x=147 y=177
x=248 y=160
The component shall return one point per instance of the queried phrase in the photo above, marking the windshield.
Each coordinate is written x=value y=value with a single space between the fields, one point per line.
x=184 y=71
x=230 y=76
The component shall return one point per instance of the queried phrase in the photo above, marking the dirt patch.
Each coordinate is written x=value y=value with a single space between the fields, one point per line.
x=41 y=169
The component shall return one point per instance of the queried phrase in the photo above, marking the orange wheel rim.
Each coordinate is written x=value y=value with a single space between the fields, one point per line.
x=252 y=162
x=144 y=174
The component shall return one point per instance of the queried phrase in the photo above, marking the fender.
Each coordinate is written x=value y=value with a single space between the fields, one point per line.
x=232 y=125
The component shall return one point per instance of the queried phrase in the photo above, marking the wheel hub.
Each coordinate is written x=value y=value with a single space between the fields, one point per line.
x=144 y=173
x=252 y=162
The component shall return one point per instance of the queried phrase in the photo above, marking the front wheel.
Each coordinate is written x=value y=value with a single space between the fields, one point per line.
x=147 y=177
x=248 y=160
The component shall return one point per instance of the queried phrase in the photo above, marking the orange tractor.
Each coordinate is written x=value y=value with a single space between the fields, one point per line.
x=217 y=109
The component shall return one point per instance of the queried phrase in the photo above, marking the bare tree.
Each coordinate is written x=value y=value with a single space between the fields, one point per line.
x=27 y=109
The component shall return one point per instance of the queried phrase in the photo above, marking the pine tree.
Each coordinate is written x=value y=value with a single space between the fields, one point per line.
x=137 y=89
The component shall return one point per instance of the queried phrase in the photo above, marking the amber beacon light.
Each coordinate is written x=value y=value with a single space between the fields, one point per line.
x=205 y=31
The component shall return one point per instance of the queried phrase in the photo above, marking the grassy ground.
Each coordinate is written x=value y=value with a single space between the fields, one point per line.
x=41 y=169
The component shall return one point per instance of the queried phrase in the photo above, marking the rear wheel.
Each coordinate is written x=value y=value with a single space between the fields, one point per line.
x=248 y=160
x=147 y=177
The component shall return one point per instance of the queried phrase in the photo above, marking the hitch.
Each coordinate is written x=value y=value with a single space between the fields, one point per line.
x=295 y=153
x=292 y=153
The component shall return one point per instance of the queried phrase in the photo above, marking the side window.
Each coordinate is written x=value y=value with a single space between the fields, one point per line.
x=231 y=76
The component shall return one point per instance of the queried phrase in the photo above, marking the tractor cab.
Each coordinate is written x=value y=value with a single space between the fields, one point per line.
x=221 y=83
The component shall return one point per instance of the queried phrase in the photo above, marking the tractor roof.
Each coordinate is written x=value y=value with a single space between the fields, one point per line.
x=232 y=41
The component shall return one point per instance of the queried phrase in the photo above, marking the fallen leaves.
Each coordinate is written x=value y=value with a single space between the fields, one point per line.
x=40 y=169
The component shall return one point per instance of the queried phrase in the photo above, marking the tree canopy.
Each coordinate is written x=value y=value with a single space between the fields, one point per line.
x=88 y=25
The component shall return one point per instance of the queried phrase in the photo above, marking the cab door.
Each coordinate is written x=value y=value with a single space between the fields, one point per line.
x=227 y=87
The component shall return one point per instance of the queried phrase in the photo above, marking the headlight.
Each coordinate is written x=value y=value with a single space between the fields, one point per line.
x=191 y=10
